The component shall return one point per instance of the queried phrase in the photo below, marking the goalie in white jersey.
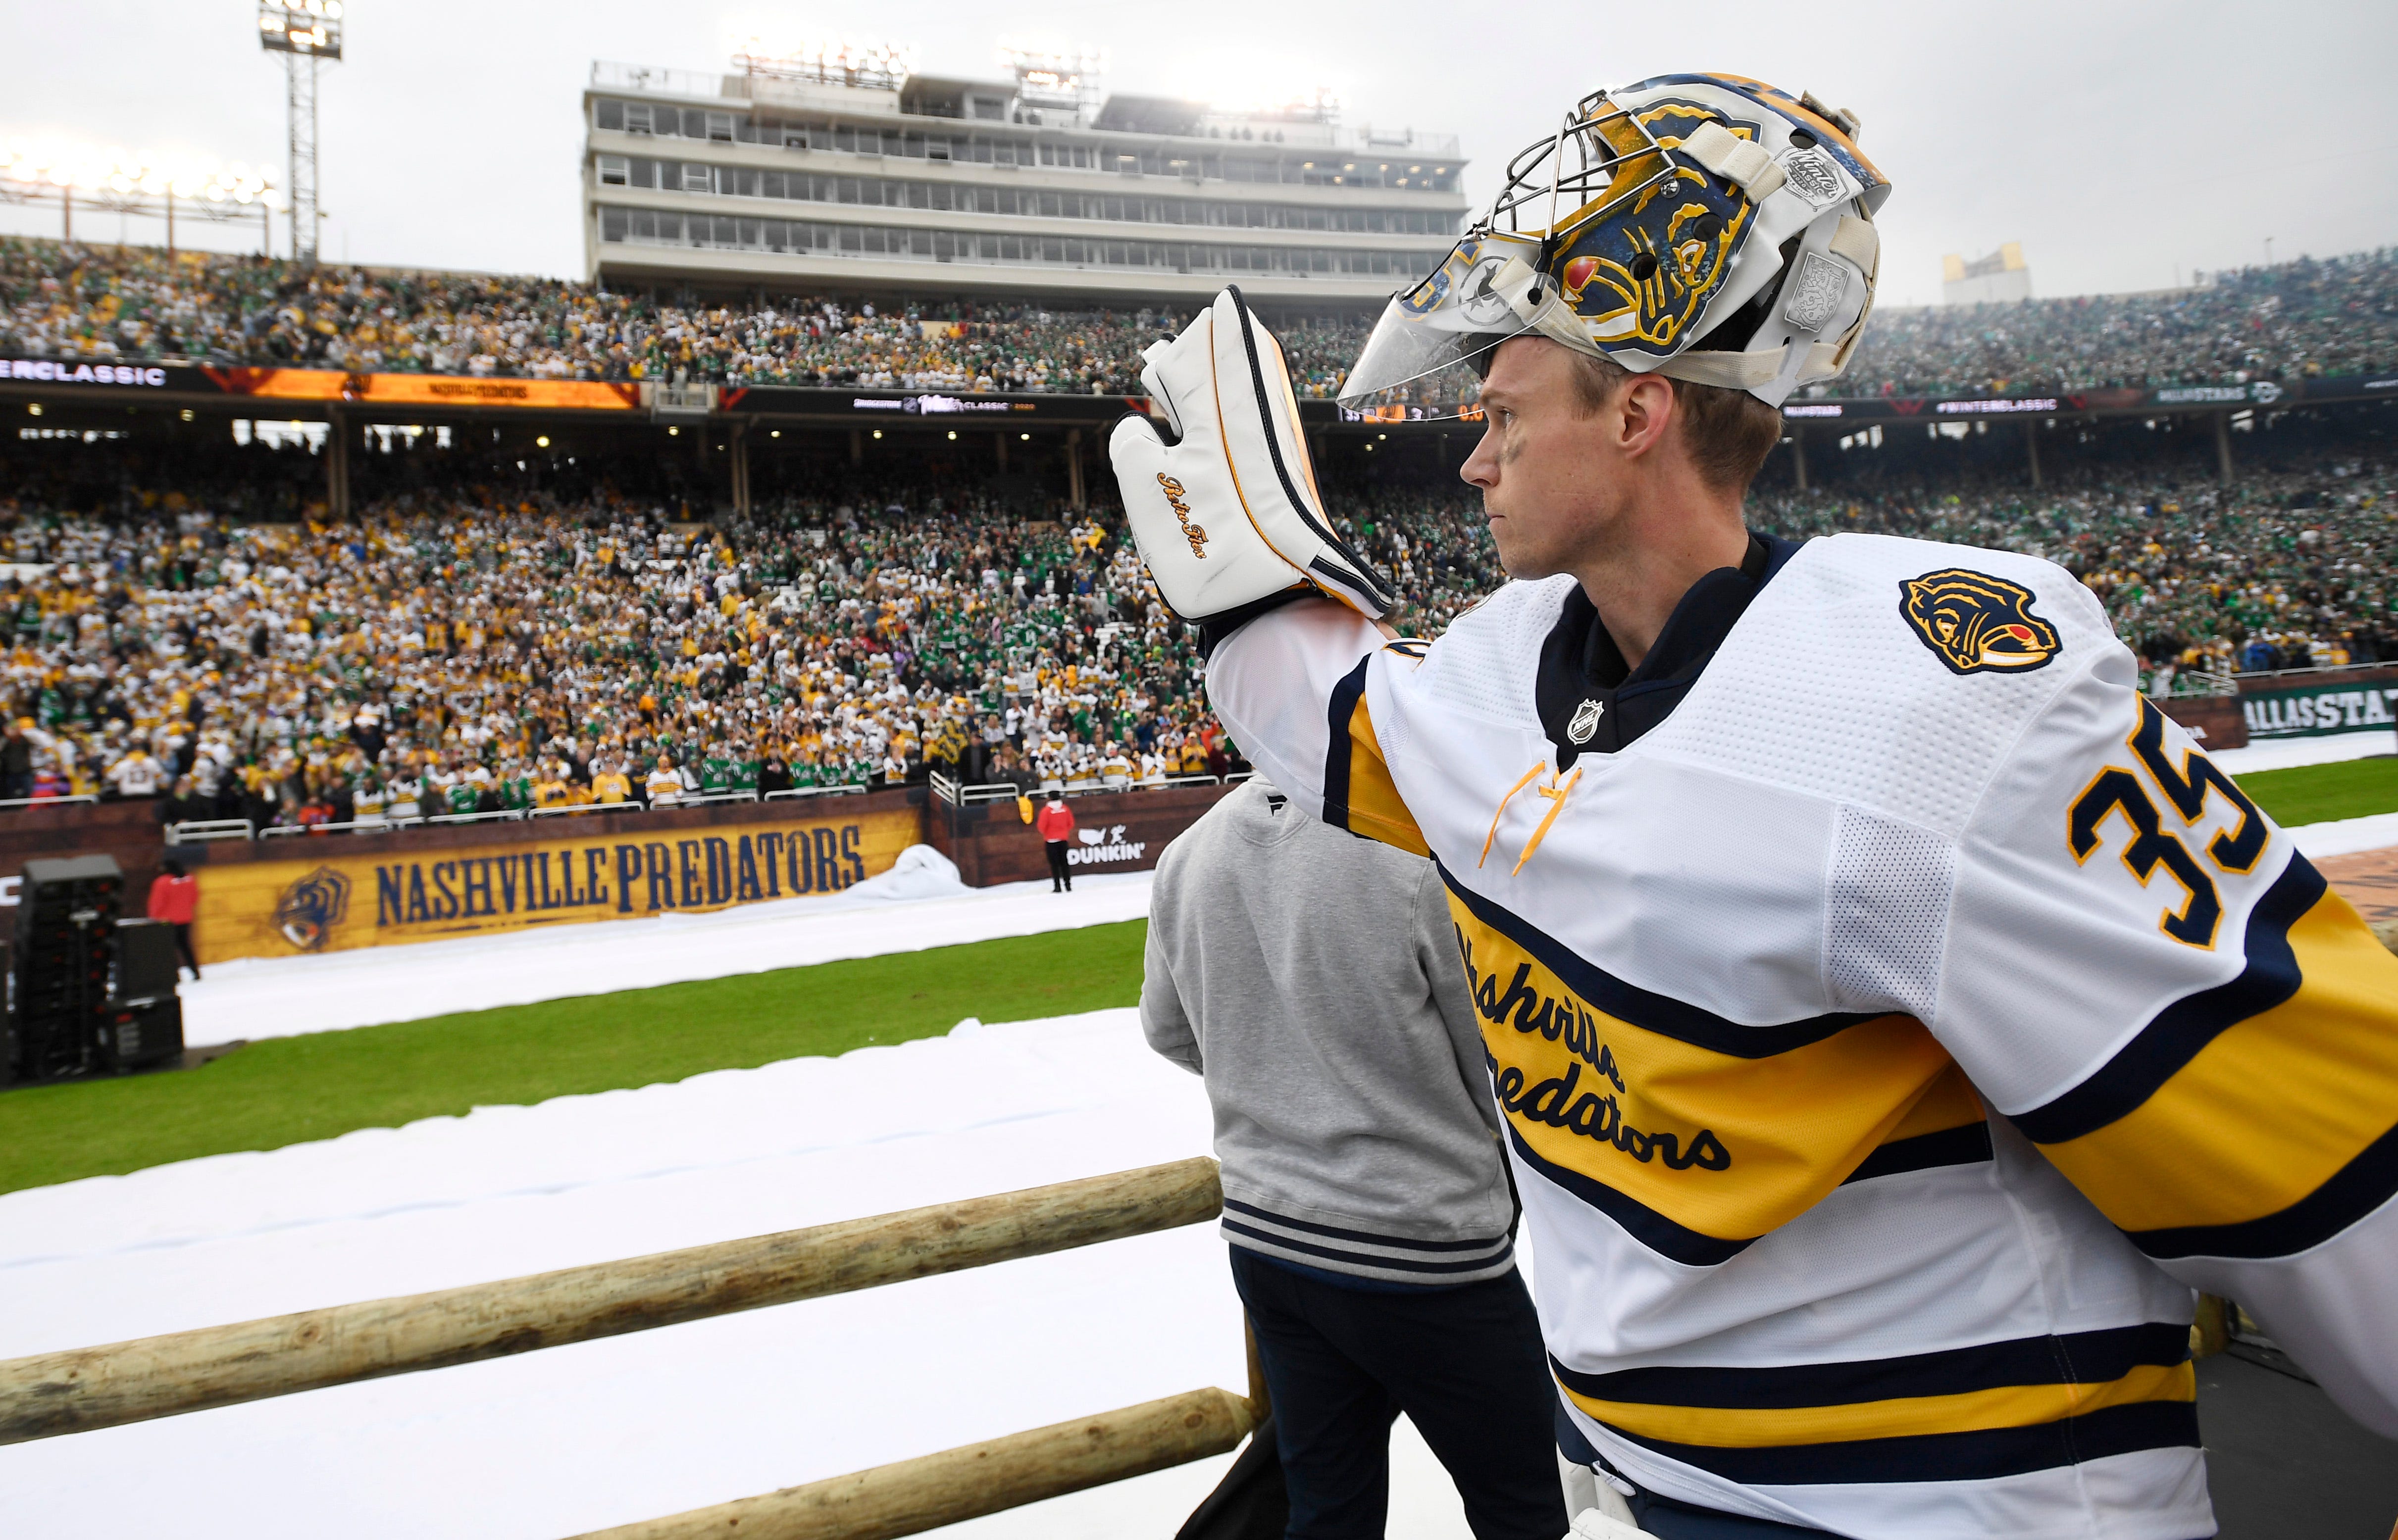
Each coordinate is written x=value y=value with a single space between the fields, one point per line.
x=1895 y=1017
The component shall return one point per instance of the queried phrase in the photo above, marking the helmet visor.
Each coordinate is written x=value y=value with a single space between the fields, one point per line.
x=1425 y=356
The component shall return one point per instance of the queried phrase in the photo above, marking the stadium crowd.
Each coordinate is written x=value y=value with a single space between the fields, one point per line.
x=465 y=653
x=2280 y=569
x=2298 y=319
x=469 y=654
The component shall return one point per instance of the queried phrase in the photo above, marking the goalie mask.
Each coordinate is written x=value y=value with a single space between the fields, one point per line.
x=1705 y=226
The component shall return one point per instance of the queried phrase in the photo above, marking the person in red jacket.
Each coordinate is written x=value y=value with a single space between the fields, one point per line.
x=173 y=897
x=1055 y=823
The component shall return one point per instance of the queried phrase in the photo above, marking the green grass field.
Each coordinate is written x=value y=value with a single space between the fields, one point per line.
x=287 y=1090
x=2317 y=794
x=284 y=1091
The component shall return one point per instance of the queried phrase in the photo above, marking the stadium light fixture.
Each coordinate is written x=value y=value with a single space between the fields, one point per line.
x=305 y=33
x=125 y=181
x=311 y=27
x=829 y=61
x=1050 y=75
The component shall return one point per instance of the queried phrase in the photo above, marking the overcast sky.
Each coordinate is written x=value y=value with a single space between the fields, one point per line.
x=2124 y=142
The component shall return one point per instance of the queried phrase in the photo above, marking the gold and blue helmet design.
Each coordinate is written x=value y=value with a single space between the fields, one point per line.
x=1706 y=226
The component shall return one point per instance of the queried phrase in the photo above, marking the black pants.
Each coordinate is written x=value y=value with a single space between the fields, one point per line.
x=184 y=949
x=1465 y=1365
x=1058 y=876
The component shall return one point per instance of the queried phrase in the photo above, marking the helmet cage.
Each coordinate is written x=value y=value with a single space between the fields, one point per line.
x=1585 y=159
x=1654 y=215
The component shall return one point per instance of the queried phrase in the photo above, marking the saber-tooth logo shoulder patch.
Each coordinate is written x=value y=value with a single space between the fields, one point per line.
x=1972 y=622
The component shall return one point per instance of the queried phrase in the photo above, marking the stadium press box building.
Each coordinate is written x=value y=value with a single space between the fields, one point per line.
x=823 y=181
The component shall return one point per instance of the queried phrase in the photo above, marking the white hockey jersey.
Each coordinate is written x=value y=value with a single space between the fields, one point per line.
x=1889 y=1039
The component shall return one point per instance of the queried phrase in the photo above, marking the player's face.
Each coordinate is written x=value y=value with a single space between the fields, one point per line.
x=1545 y=477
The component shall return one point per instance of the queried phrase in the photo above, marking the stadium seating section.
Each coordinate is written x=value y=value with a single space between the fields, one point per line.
x=2291 y=320
x=481 y=635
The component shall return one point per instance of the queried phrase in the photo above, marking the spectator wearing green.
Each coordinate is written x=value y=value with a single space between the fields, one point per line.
x=515 y=788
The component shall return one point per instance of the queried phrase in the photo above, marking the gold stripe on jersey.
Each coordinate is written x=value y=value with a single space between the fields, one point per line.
x=1358 y=793
x=1949 y=1103
x=2214 y=1144
x=1909 y=1416
x=1696 y=1133
x=1977 y=1410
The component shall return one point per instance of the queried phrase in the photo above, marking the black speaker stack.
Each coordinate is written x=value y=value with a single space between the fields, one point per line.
x=89 y=993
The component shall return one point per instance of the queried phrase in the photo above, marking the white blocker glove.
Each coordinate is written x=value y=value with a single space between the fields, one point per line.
x=1228 y=516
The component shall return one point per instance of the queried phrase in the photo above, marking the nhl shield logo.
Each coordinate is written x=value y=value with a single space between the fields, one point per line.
x=1584 y=724
x=308 y=910
x=1972 y=622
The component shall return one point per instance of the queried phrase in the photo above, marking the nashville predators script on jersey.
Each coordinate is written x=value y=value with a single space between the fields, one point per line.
x=1888 y=1040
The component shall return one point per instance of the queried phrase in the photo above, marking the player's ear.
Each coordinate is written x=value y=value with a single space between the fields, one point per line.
x=1645 y=406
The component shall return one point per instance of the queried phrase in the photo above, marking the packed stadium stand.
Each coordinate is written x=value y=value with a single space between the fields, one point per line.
x=473 y=624
x=2291 y=321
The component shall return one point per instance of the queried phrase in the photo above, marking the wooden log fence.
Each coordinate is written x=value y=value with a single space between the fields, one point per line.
x=129 y=1381
x=911 y=1496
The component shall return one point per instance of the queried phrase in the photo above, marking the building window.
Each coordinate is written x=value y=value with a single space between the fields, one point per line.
x=637 y=118
x=615 y=171
x=696 y=178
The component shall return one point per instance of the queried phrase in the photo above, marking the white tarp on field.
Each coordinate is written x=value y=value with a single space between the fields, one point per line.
x=283 y=997
x=554 y=1443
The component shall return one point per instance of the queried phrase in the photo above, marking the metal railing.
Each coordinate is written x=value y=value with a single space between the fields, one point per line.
x=281 y=831
x=49 y=1395
x=505 y=815
x=2306 y=668
x=46 y=801
x=967 y=794
x=196 y=830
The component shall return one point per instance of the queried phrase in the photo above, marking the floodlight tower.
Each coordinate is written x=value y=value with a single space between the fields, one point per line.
x=305 y=33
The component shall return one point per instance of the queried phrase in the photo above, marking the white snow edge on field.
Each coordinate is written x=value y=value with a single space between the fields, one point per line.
x=259 y=997
x=2346 y=835
x=558 y=1442
x=2292 y=753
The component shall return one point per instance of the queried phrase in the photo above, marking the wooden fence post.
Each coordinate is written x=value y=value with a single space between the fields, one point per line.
x=911 y=1496
x=129 y=1381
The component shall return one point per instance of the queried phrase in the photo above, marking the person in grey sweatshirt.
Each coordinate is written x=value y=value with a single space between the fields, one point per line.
x=1311 y=979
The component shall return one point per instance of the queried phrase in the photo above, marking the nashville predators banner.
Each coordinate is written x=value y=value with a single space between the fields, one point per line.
x=324 y=899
